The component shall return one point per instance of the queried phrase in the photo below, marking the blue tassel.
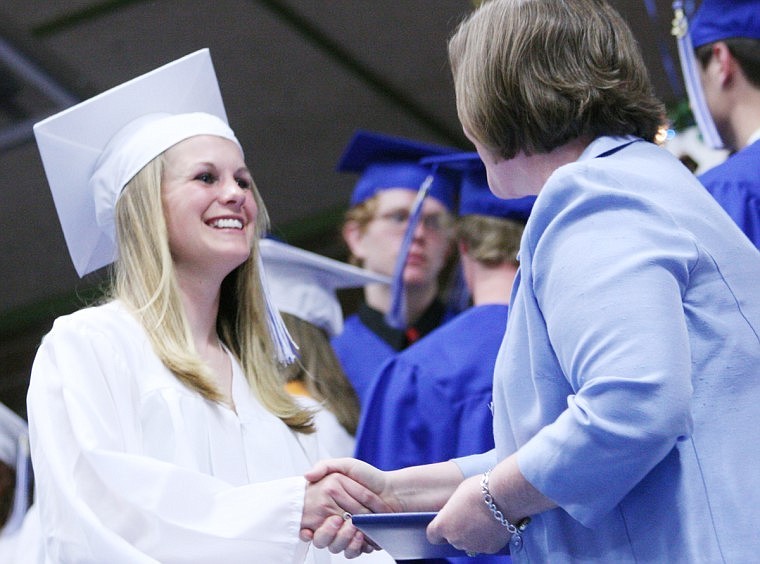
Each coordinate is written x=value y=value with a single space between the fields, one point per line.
x=397 y=314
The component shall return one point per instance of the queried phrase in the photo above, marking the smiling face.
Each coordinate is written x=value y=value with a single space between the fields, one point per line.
x=210 y=212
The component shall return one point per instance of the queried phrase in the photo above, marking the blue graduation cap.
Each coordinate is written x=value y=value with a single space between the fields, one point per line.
x=716 y=20
x=386 y=161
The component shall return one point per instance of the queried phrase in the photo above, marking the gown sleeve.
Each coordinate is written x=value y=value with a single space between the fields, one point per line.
x=103 y=500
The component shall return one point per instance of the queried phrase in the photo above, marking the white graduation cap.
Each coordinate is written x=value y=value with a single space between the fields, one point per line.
x=14 y=451
x=304 y=284
x=91 y=150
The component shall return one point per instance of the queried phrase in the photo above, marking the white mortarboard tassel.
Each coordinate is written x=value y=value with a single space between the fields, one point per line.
x=284 y=345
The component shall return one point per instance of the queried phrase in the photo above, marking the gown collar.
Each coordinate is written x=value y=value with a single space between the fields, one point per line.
x=607 y=145
x=399 y=339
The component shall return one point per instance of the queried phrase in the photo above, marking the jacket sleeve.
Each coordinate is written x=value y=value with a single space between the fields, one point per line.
x=609 y=270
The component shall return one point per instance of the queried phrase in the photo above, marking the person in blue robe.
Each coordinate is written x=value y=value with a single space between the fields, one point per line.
x=390 y=178
x=725 y=95
x=431 y=402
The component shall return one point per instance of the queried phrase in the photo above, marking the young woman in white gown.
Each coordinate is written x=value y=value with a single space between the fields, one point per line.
x=160 y=429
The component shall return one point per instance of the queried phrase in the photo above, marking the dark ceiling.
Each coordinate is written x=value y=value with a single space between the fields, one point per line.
x=298 y=77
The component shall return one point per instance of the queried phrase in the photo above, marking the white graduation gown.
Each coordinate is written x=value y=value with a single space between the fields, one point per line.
x=132 y=466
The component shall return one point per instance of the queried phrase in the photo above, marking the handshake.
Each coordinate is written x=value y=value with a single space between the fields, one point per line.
x=336 y=489
x=344 y=486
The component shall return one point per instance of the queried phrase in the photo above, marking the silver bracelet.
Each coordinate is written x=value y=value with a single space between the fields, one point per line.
x=498 y=515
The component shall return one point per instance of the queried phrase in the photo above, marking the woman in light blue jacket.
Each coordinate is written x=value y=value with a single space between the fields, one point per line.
x=626 y=390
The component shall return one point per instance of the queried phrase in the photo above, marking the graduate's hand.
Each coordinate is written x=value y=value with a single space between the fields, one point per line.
x=466 y=522
x=359 y=471
x=343 y=486
x=331 y=497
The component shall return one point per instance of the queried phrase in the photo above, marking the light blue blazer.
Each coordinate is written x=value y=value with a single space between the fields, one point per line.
x=628 y=380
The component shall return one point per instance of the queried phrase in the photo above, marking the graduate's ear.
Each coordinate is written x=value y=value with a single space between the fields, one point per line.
x=353 y=235
x=725 y=61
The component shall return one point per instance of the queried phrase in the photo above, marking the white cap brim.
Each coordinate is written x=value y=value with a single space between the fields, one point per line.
x=304 y=284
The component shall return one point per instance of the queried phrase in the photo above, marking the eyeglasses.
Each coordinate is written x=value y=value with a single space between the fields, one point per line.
x=399 y=218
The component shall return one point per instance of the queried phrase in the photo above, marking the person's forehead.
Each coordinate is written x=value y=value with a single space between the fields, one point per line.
x=404 y=198
x=204 y=148
x=393 y=197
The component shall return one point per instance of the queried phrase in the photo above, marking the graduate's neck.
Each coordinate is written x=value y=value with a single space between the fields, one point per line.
x=492 y=284
x=418 y=299
x=200 y=300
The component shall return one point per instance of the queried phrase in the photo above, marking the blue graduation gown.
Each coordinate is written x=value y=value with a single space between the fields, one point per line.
x=735 y=184
x=366 y=342
x=431 y=402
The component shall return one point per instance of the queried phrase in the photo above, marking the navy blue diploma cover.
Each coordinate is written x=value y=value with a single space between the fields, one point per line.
x=402 y=535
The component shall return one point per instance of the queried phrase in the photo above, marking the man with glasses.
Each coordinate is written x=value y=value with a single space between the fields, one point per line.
x=374 y=229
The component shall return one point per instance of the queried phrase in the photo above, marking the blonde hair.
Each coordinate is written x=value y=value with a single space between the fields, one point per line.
x=532 y=75
x=143 y=279
x=319 y=370
x=490 y=240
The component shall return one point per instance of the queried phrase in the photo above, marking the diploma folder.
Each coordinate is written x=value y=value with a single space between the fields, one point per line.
x=402 y=535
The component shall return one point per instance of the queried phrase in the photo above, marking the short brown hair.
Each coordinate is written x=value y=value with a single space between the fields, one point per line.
x=532 y=75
